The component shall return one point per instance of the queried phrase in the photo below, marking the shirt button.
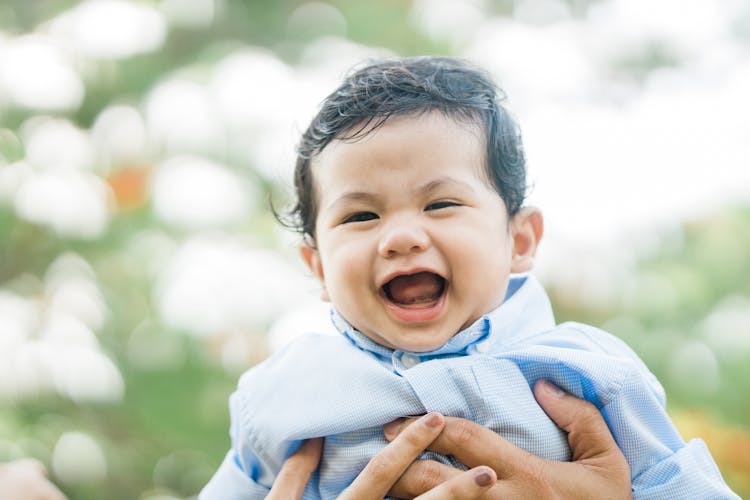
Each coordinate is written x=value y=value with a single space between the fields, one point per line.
x=409 y=360
x=483 y=347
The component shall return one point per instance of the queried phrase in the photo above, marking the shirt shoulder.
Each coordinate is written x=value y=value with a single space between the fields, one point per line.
x=308 y=351
x=320 y=377
x=594 y=353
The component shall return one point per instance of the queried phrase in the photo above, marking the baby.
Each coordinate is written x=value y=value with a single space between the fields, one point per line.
x=410 y=186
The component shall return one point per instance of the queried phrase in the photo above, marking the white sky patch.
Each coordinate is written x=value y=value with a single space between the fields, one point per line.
x=75 y=204
x=613 y=160
x=111 y=29
x=676 y=151
x=193 y=192
x=686 y=27
x=216 y=284
x=533 y=62
x=36 y=73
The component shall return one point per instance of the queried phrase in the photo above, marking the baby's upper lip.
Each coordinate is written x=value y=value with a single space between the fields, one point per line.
x=407 y=272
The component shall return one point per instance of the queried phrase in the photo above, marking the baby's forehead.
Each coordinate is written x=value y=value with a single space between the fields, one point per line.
x=379 y=133
x=417 y=155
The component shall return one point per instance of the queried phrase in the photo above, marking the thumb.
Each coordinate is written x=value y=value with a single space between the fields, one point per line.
x=296 y=471
x=588 y=435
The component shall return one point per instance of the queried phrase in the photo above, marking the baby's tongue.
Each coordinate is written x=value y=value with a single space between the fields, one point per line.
x=415 y=288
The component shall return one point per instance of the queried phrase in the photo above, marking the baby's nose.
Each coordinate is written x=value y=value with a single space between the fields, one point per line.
x=402 y=237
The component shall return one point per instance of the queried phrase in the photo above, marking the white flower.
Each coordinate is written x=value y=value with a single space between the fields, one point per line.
x=57 y=144
x=251 y=88
x=37 y=74
x=217 y=284
x=78 y=458
x=75 y=204
x=111 y=29
x=119 y=134
x=196 y=193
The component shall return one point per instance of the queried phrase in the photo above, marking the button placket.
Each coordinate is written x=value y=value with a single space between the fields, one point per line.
x=409 y=360
x=483 y=347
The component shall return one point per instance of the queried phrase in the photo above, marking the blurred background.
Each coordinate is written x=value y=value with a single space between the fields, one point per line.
x=141 y=270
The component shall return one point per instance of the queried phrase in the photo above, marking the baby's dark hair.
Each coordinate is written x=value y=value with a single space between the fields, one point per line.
x=412 y=86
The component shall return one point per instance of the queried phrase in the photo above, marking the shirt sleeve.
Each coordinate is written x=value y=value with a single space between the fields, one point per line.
x=231 y=483
x=662 y=464
x=690 y=469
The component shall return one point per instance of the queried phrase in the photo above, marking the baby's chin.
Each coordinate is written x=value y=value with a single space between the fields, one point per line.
x=415 y=345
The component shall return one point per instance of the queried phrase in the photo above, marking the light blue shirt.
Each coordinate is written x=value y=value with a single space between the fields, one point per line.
x=346 y=388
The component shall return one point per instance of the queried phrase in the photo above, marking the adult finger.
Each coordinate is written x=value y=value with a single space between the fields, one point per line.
x=473 y=445
x=591 y=442
x=421 y=476
x=428 y=479
x=588 y=434
x=386 y=467
x=48 y=491
x=468 y=485
x=27 y=478
x=296 y=471
x=32 y=465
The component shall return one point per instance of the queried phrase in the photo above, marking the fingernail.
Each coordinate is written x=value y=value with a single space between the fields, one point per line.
x=552 y=389
x=432 y=419
x=483 y=479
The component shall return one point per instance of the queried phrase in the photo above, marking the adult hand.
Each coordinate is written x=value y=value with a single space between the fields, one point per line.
x=296 y=471
x=598 y=468
x=385 y=468
x=26 y=479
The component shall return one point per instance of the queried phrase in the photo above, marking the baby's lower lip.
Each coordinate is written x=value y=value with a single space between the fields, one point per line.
x=416 y=313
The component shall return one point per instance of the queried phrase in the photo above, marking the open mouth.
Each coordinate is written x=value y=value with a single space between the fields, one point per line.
x=418 y=290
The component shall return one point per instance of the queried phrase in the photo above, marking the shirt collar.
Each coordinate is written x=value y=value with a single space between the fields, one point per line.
x=525 y=311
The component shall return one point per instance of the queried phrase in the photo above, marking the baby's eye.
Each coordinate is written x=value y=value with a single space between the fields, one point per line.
x=441 y=204
x=360 y=217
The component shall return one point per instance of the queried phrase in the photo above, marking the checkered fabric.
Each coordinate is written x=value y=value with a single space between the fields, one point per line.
x=347 y=387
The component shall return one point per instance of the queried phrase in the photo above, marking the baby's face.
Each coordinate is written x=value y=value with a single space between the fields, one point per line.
x=412 y=242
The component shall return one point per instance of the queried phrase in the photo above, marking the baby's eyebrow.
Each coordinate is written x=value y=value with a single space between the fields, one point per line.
x=440 y=182
x=426 y=188
x=353 y=196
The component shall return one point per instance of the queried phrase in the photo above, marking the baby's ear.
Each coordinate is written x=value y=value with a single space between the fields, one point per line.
x=526 y=228
x=311 y=256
